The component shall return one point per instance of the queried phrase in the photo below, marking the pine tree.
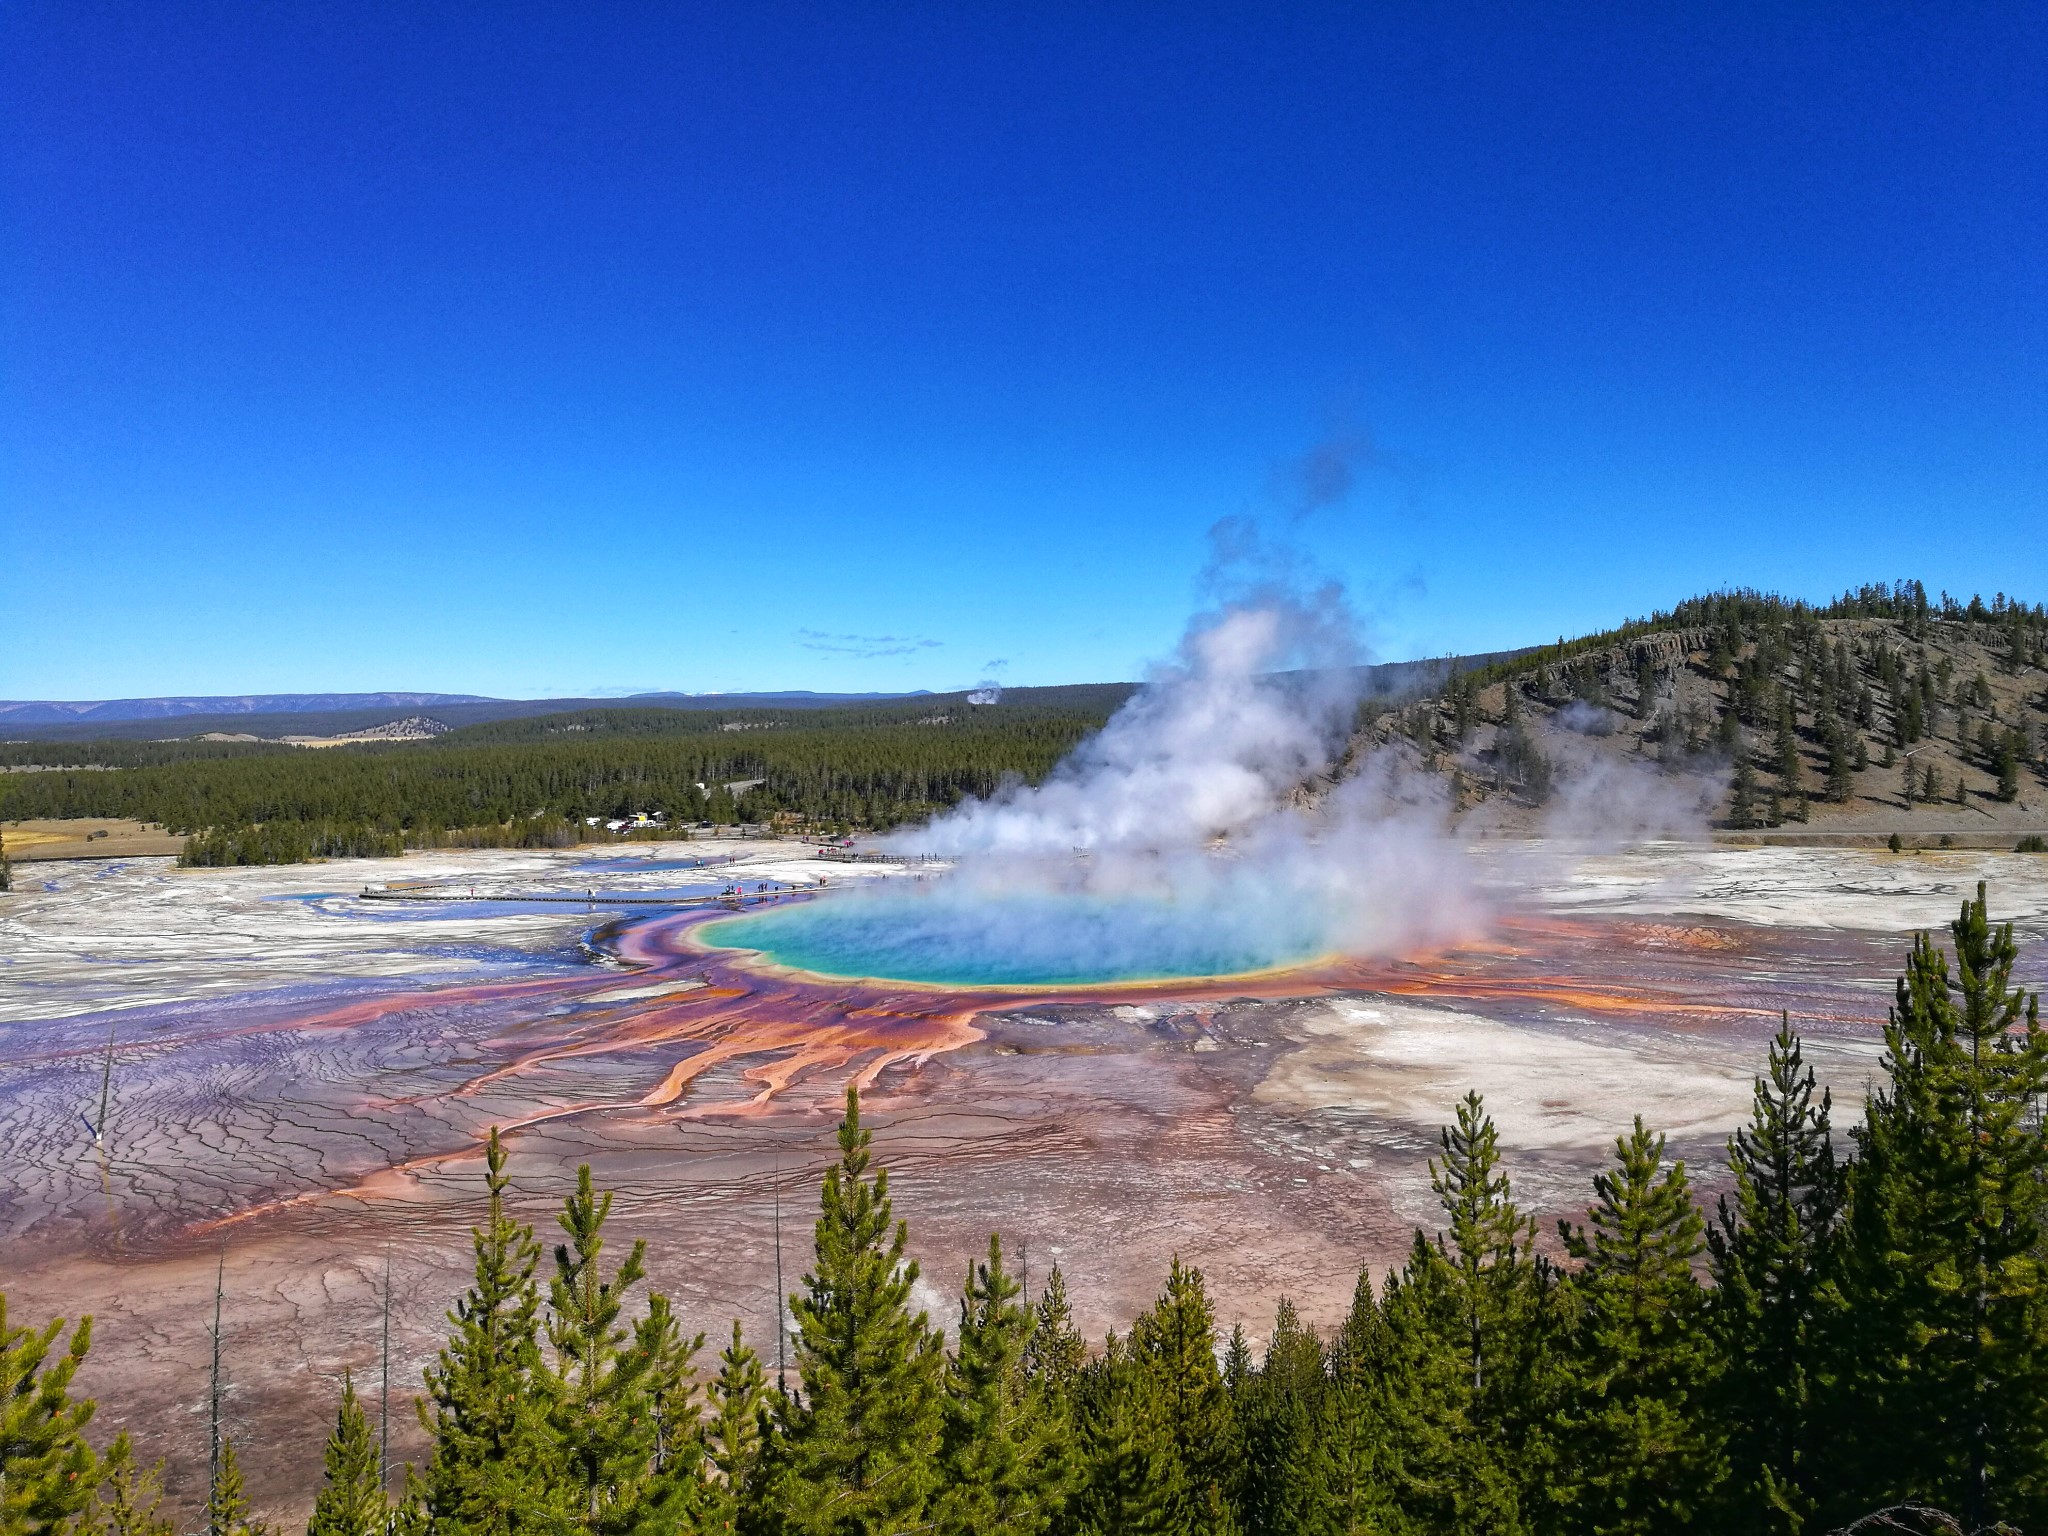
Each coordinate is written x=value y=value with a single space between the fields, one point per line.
x=129 y=1501
x=1000 y=1460
x=861 y=1442
x=1279 y=1407
x=1786 y=748
x=227 y=1505
x=498 y=1467
x=1841 y=786
x=1491 y=1242
x=1646 y=685
x=1351 y=1426
x=1742 y=802
x=1638 y=1454
x=1500 y=1284
x=1134 y=1481
x=47 y=1471
x=738 y=1397
x=1771 y=1252
x=1946 y=1359
x=1728 y=731
x=1437 y=1471
x=2010 y=747
x=351 y=1498
x=1055 y=1354
x=615 y=1388
x=671 y=1398
x=1174 y=1346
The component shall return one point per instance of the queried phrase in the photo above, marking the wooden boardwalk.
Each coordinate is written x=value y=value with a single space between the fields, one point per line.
x=736 y=901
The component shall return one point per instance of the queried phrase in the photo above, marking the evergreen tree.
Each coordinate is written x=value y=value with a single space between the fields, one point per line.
x=47 y=1471
x=1438 y=1472
x=738 y=1399
x=1501 y=1286
x=1646 y=685
x=1134 y=1481
x=129 y=1501
x=2011 y=746
x=1946 y=1364
x=498 y=1467
x=1279 y=1409
x=1350 y=1427
x=6 y=867
x=351 y=1497
x=1728 y=732
x=1742 y=804
x=227 y=1504
x=615 y=1390
x=1491 y=1243
x=1002 y=1466
x=1841 y=786
x=861 y=1442
x=1639 y=1454
x=671 y=1396
x=1174 y=1347
x=1055 y=1354
x=1771 y=1251
x=1786 y=749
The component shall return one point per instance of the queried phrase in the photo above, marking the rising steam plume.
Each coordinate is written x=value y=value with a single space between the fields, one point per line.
x=1216 y=809
x=1223 y=808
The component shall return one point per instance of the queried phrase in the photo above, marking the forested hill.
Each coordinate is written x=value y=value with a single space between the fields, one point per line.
x=1881 y=710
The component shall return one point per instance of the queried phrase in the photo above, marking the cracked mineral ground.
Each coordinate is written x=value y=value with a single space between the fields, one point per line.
x=302 y=1078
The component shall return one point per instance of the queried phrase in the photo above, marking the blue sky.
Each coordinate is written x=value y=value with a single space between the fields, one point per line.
x=540 y=349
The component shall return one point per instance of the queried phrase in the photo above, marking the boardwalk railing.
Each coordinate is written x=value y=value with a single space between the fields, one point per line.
x=733 y=899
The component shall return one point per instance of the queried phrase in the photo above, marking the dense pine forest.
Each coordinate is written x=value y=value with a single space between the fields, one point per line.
x=533 y=782
x=1856 y=1327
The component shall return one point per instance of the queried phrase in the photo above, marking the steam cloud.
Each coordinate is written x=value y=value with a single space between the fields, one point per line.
x=1182 y=827
x=1217 y=813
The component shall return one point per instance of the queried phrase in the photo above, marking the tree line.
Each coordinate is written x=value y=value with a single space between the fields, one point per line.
x=1850 y=1329
x=521 y=783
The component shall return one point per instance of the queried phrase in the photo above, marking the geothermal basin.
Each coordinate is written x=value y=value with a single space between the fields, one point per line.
x=302 y=1079
x=921 y=934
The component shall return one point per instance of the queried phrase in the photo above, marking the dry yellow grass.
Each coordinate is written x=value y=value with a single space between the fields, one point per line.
x=86 y=837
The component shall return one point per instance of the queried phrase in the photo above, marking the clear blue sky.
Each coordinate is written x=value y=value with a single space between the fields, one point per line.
x=540 y=349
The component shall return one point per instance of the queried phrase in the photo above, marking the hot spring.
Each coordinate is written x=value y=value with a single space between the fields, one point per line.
x=950 y=938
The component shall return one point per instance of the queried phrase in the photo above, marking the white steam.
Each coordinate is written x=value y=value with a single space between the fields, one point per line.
x=1189 y=809
x=1206 y=749
x=1222 y=816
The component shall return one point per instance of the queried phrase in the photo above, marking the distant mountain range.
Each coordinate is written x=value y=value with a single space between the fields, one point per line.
x=334 y=714
x=67 y=712
x=275 y=715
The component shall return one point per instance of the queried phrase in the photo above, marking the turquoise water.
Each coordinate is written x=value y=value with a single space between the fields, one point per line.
x=959 y=939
